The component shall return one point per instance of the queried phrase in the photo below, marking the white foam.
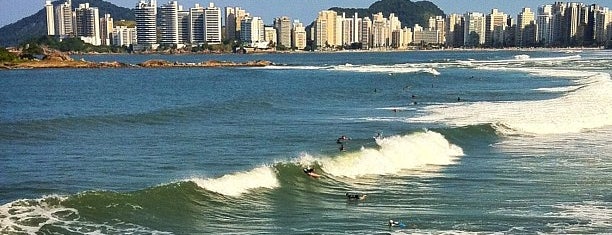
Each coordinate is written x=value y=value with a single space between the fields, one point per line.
x=238 y=183
x=597 y=214
x=396 y=153
x=587 y=107
x=28 y=216
x=390 y=69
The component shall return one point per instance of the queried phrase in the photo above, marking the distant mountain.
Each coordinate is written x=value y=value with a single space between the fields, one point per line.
x=409 y=13
x=36 y=25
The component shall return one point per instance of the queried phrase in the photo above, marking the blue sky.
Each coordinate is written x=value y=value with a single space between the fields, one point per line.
x=304 y=10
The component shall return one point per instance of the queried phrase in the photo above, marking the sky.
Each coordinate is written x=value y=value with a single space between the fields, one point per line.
x=304 y=10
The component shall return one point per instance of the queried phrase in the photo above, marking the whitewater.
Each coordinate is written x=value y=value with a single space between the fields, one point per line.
x=447 y=142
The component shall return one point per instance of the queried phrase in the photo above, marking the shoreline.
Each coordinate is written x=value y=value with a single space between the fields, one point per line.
x=81 y=64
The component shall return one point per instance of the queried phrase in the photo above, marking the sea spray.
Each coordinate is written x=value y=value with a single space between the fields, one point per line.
x=238 y=183
x=396 y=153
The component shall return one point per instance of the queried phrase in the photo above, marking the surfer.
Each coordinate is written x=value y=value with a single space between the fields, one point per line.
x=396 y=224
x=355 y=196
x=310 y=172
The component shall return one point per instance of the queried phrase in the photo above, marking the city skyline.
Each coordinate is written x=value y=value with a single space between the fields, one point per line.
x=270 y=9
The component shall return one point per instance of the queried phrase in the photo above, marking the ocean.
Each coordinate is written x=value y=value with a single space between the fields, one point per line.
x=471 y=142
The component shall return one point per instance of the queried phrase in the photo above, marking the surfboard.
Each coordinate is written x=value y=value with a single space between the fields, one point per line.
x=314 y=175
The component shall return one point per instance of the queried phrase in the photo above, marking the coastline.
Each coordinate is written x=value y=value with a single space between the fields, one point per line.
x=64 y=61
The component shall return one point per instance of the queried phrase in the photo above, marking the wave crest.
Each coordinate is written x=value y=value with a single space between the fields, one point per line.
x=396 y=153
x=238 y=183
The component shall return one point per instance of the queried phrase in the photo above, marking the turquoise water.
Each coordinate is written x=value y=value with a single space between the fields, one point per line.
x=473 y=142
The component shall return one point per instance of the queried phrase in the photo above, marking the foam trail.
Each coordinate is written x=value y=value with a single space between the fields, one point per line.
x=396 y=153
x=238 y=183
x=588 y=107
x=384 y=69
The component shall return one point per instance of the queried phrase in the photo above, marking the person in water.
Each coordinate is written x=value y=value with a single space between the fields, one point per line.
x=355 y=196
x=342 y=139
x=308 y=170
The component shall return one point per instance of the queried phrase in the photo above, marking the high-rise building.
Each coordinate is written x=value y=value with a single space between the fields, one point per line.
x=380 y=31
x=474 y=29
x=454 y=30
x=438 y=23
x=50 y=18
x=146 y=24
x=366 y=33
x=168 y=24
x=252 y=31
x=196 y=24
x=283 y=31
x=525 y=28
x=544 y=24
x=298 y=35
x=183 y=27
x=64 y=25
x=603 y=26
x=88 y=24
x=496 y=24
x=123 y=36
x=106 y=29
x=233 y=19
x=212 y=24
x=270 y=35
x=325 y=29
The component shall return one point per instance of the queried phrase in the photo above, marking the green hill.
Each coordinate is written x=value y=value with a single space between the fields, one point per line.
x=409 y=13
x=36 y=25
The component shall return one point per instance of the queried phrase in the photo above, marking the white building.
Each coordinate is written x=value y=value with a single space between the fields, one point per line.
x=146 y=25
x=544 y=24
x=474 y=29
x=212 y=24
x=50 y=18
x=64 y=26
x=283 y=30
x=106 y=29
x=252 y=32
x=270 y=35
x=196 y=25
x=123 y=36
x=88 y=24
x=298 y=35
x=168 y=24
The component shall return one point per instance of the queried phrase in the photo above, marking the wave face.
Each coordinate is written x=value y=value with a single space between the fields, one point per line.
x=396 y=154
x=88 y=212
x=581 y=107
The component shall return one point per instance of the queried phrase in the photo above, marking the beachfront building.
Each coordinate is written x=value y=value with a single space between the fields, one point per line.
x=123 y=36
x=106 y=29
x=252 y=32
x=365 y=31
x=270 y=35
x=603 y=26
x=474 y=29
x=525 y=28
x=146 y=25
x=438 y=23
x=454 y=30
x=212 y=24
x=233 y=20
x=64 y=25
x=496 y=25
x=183 y=26
x=283 y=31
x=168 y=24
x=325 y=30
x=544 y=24
x=50 y=18
x=298 y=36
x=196 y=25
x=87 y=21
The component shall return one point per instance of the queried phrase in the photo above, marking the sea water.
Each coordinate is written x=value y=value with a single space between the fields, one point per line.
x=471 y=142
